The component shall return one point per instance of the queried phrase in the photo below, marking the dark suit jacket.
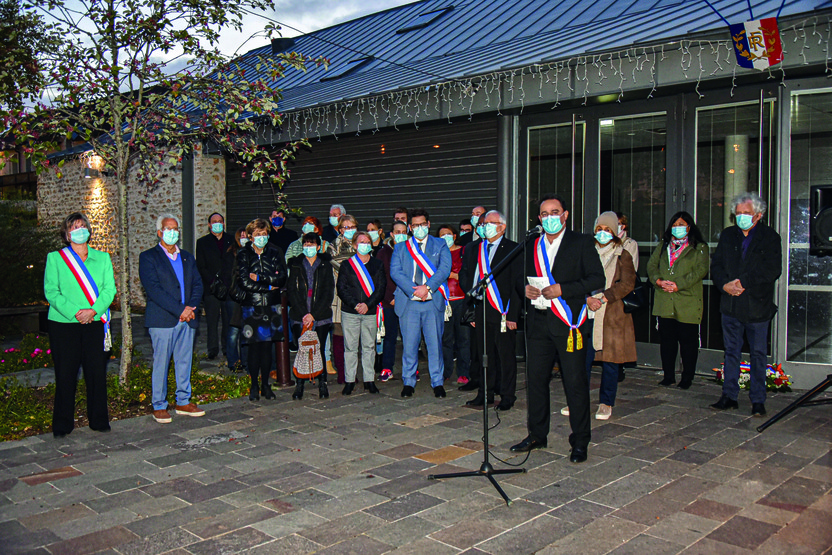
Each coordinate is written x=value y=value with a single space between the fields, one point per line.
x=757 y=272
x=577 y=269
x=506 y=279
x=164 y=298
x=209 y=258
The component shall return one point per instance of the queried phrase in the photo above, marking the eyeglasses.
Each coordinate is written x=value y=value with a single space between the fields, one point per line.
x=348 y=227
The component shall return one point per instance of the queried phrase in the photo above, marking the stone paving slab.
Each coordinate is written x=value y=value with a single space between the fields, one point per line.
x=350 y=475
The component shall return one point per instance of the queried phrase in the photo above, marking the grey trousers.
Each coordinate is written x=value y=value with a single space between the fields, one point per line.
x=359 y=332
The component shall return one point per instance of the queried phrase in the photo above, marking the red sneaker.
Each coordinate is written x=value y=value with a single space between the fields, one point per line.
x=462 y=380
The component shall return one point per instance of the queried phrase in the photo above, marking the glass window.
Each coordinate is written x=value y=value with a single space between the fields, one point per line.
x=550 y=169
x=632 y=181
x=727 y=164
x=808 y=338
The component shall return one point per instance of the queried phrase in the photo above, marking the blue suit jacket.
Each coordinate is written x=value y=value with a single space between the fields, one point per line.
x=164 y=298
x=402 y=266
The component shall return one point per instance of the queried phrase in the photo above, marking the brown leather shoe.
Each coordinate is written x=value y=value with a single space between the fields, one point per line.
x=189 y=410
x=162 y=416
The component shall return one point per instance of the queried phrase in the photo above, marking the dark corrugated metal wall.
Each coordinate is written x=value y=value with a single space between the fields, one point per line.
x=446 y=168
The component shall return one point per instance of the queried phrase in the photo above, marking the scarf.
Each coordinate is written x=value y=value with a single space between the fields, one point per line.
x=675 y=249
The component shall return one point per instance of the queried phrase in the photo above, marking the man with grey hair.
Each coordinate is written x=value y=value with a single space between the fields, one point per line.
x=745 y=266
x=330 y=231
x=502 y=308
x=171 y=281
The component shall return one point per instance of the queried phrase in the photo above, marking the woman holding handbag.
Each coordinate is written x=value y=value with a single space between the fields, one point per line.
x=612 y=338
x=262 y=272
x=311 y=289
x=361 y=287
x=676 y=270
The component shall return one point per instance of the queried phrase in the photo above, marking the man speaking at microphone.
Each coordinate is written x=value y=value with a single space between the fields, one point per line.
x=563 y=269
x=502 y=307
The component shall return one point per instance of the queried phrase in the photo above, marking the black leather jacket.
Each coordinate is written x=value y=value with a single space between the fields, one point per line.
x=323 y=289
x=271 y=275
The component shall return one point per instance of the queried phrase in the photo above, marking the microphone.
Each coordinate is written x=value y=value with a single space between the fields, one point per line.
x=535 y=229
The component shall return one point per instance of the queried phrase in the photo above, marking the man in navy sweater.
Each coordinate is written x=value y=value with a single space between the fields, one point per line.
x=173 y=287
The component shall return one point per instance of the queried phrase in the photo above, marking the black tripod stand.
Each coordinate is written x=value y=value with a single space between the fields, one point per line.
x=486 y=469
x=804 y=401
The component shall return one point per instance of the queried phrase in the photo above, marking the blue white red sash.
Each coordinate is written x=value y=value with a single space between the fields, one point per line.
x=88 y=286
x=369 y=287
x=558 y=306
x=427 y=267
x=491 y=291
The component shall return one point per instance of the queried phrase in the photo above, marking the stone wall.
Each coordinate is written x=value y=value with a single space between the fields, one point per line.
x=98 y=199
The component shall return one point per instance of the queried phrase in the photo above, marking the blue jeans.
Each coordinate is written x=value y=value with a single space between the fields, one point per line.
x=177 y=342
x=757 y=334
x=237 y=351
x=456 y=339
x=609 y=370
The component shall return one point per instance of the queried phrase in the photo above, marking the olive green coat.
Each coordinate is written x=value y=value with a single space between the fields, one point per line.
x=685 y=305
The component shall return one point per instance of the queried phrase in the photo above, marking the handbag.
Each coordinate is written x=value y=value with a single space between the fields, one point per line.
x=234 y=292
x=636 y=299
x=218 y=288
x=308 y=362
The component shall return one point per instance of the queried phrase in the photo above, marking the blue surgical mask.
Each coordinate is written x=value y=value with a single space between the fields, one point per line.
x=364 y=248
x=277 y=221
x=373 y=235
x=490 y=231
x=449 y=239
x=400 y=238
x=333 y=221
x=260 y=242
x=308 y=228
x=474 y=220
x=481 y=231
x=79 y=236
x=552 y=224
x=349 y=233
x=420 y=232
x=679 y=231
x=745 y=221
x=244 y=241
x=170 y=236
x=216 y=228
x=310 y=251
x=603 y=237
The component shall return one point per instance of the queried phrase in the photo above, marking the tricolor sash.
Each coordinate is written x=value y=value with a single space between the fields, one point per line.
x=558 y=306
x=427 y=267
x=369 y=287
x=88 y=286
x=491 y=291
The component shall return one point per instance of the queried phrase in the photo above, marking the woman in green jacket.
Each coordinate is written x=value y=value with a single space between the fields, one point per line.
x=78 y=283
x=676 y=270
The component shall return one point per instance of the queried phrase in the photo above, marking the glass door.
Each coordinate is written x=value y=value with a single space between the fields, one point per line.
x=732 y=157
x=633 y=182
x=556 y=160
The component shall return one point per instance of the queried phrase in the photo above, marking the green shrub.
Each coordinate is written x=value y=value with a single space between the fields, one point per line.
x=33 y=352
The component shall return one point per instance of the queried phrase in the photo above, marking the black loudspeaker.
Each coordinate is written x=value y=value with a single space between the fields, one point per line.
x=820 y=220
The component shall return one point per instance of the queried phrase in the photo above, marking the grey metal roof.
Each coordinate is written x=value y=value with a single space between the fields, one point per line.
x=483 y=36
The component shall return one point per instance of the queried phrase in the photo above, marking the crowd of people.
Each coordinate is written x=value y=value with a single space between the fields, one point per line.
x=359 y=287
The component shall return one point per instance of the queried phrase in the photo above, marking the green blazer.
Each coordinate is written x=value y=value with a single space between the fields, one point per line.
x=65 y=296
x=690 y=269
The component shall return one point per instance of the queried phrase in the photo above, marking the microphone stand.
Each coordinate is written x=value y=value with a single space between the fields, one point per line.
x=486 y=470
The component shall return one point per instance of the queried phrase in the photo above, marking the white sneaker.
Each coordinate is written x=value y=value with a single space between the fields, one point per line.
x=565 y=411
x=604 y=412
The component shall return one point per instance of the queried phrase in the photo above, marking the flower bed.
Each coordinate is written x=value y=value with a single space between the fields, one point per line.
x=776 y=379
x=33 y=352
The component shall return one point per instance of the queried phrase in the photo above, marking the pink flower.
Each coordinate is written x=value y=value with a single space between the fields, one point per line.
x=48 y=351
x=25 y=361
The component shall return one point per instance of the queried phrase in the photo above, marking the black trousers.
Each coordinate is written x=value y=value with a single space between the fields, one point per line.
x=213 y=308
x=502 y=362
x=79 y=346
x=260 y=355
x=544 y=349
x=676 y=336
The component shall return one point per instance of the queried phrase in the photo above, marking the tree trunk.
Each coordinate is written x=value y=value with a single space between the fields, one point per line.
x=124 y=281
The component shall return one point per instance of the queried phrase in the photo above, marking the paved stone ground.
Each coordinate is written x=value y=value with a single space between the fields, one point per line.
x=349 y=475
